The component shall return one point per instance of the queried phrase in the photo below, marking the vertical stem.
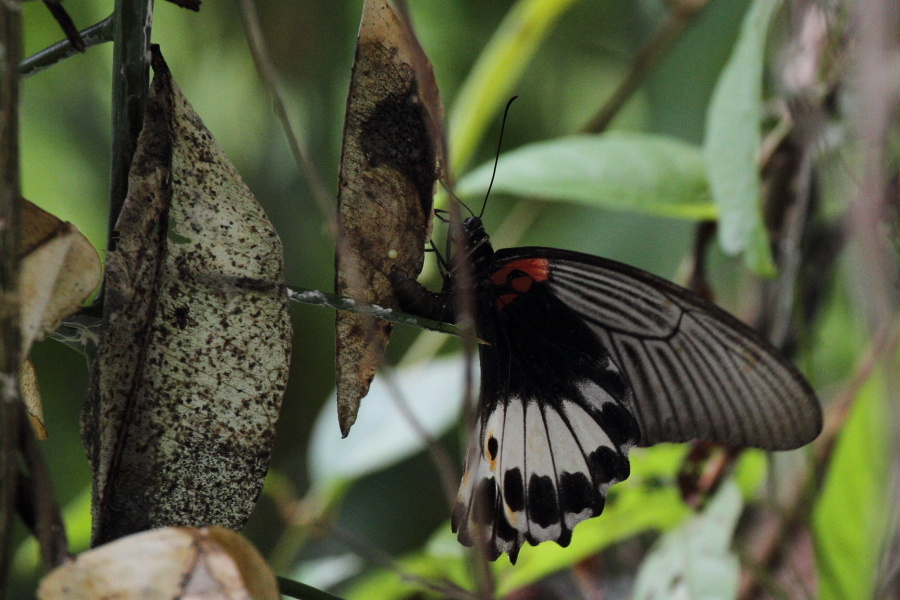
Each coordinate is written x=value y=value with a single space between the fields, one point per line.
x=10 y=206
x=131 y=80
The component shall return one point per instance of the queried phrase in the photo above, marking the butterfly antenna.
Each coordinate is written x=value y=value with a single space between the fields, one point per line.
x=454 y=196
x=496 y=158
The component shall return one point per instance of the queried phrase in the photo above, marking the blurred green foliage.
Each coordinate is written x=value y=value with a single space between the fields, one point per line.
x=563 y=80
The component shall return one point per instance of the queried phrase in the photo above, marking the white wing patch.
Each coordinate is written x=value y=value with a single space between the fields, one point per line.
x=535 y=470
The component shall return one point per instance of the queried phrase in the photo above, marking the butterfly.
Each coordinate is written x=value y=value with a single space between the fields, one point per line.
x=584 y=358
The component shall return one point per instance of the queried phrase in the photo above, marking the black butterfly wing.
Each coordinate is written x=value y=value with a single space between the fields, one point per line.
x=696 y=371
x=555 y=421
x=587 y=357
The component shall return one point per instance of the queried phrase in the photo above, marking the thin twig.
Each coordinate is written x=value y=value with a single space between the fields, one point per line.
x=65 y=23
x=439 y=455
x=48 y=527
x=465 y=305
x=319 y=298
x=671 y=29
x=10 y=215
x=377 y=556
x=96 y=34
x=298 y=146
x=797 y=220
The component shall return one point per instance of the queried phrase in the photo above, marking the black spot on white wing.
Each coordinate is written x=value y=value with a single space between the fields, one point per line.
x=614 y=412
x=607 y=463
x=512 y=464
x=549 y=470
x=514 y=492
x=543 y=521
x=478 y=515
x=578 y=500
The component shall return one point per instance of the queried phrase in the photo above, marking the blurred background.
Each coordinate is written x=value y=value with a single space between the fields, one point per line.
x=397 y=505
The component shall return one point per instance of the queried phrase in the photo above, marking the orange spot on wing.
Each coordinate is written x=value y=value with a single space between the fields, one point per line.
x=535 y=268
x=519 y=275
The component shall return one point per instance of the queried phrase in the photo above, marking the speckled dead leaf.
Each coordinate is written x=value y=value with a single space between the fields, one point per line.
x=188 y=380
x=59 y=271
x=390 y=160
x=174 y=563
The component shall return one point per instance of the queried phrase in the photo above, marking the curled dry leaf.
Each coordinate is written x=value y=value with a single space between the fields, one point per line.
x=179 y=563
x=390 y=160
x=59 y=270
x=188 y=380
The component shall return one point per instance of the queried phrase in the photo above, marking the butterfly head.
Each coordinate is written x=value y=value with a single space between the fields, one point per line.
x=477 y=244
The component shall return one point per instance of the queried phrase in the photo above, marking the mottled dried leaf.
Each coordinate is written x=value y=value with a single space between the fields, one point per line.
x=166 y=564
x=59 y=271
x=188 y=380
x=390 y=160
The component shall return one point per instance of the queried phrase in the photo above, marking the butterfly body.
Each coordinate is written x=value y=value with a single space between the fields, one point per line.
x=583 y=359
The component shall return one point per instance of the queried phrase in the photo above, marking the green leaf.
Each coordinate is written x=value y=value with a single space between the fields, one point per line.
x=499 y=67
x=386 y=584
x=646 y=501
x=636 y=505
x=850 y=518
x=382 y=434
x=327 y=572
x=732 y=142
x=695 y=560
x=625 y=171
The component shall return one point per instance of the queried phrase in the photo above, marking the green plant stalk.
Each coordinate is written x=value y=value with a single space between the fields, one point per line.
x=498 y=69
x=131 y=81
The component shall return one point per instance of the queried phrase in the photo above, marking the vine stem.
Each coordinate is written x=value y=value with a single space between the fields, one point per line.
x=130 y=85
x=10 y=211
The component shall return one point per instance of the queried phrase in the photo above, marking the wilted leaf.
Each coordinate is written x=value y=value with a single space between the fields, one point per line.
x=695 y=560
x=623 y=171
x=390 y=160
x=166 y=564
x=733 y=122
x=187 y=384
x=59 y=271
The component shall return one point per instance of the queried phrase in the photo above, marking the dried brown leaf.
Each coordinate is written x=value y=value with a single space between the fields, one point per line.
x=188 y=380
x=390 y=161
x=166 y=564
x=59 y=271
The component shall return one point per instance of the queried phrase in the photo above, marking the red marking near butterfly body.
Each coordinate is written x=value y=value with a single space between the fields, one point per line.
x=519 y=275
